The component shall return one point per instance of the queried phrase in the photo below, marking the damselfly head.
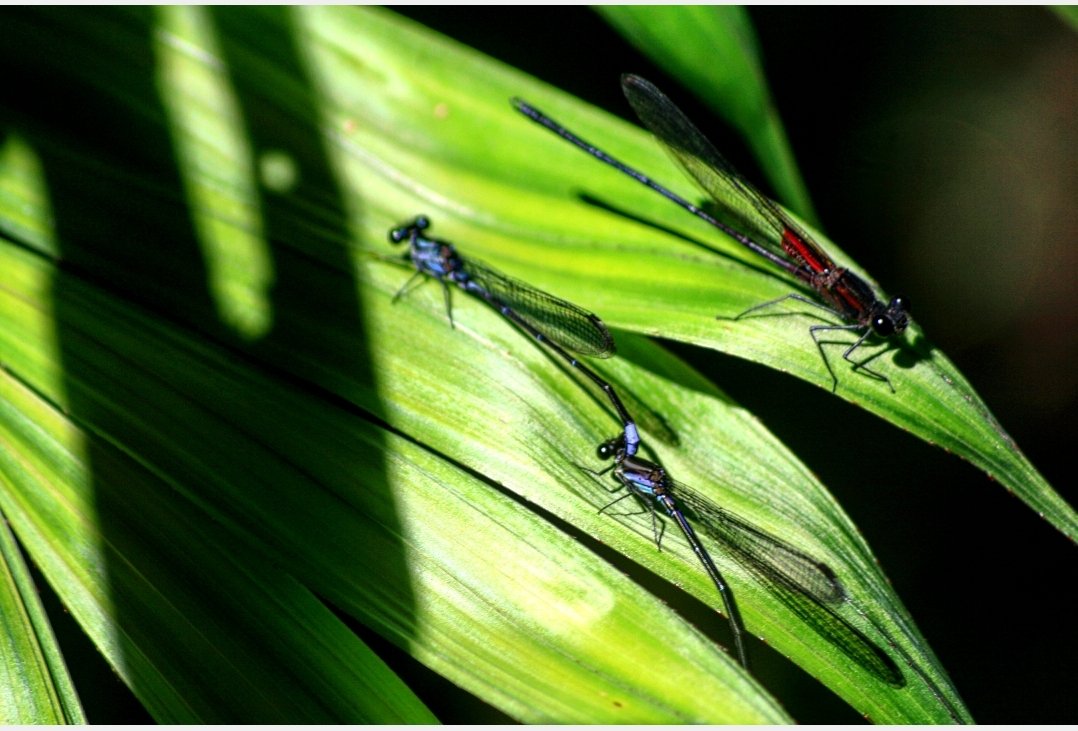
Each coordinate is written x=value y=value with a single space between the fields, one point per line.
x=399 y=234
x=892 y=320
x=612 y=448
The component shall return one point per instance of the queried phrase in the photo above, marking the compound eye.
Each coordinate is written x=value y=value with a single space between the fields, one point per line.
x=422 y=223
x=883 y=326
x=607 y=449
x=396 y=235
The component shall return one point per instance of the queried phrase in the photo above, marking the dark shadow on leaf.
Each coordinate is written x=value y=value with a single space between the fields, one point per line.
x=150 y=368
x=667 y=231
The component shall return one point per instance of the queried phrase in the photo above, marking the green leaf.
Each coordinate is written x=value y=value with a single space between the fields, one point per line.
x=1068 y=13
x=224 y=321
x=201 y=628
x=713 y=51
x=397 y=537
x=36 y=686
x=688 y=282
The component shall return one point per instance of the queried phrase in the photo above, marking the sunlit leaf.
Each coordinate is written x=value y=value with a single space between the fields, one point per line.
x=36 y=687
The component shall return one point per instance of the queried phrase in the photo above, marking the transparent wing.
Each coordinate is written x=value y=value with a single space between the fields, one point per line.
x=805 y=585
x=571 y=327
x=709 y=169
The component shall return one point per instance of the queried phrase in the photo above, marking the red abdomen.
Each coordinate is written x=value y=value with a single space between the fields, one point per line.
x=804 y=252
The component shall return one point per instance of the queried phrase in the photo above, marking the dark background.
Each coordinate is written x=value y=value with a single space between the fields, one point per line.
x=941 y=150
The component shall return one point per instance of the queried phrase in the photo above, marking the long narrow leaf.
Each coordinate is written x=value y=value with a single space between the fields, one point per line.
x=36 y=686
x=201 y=628
x=637 y=270
x=400 y=539
x=378 y=122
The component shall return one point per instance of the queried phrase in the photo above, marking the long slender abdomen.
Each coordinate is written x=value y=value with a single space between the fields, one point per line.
x=808 y=255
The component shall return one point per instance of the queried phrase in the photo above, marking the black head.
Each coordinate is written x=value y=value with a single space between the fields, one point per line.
x=406 y=232
x=611 y=448
x=892 y=320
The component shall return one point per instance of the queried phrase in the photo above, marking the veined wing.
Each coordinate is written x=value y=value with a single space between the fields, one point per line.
x=571 y=327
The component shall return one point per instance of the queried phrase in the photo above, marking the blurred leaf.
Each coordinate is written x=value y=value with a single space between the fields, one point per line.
x=1068 y=13
x=712 y=51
